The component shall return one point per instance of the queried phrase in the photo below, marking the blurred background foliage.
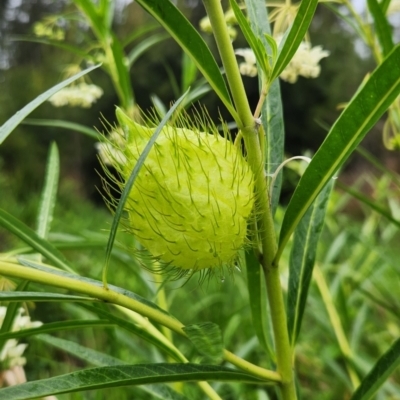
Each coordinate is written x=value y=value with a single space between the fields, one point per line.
x=358 y=251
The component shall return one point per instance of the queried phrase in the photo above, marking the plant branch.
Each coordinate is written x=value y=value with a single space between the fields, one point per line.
x=8 y=268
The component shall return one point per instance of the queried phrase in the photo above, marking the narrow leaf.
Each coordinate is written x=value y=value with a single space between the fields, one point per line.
x=254 y=42
x=31 y=238
x=360 y=115
x=295 y=36
x=258 y=303
x=56 y=43
x=16 y=119
x=40 y=296
x=207 y=339
x=11 y=313
x=138 y=32
x=192 y=43
x=271 y=114
x=144 y=45
x=382 y=27
x=384 y=4
x=57 y=327
x=189 y=72
x=378 y=164
x=137 y=330
x=106 y=11
x=91 y=12
x=99 y=359
x=123 y=375
x=58 y=123
x=122 y=82
x=381 y=371
x=370 y=203
x=48 y=198
x=302 y=260
x=130 y=182
x=116 y=66
x=91 y=356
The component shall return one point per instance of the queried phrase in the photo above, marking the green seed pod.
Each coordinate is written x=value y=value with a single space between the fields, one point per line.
x=192 y=198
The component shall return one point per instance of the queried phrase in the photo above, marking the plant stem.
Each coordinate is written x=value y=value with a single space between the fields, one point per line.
x=216 y=15
x=264 y=222
x=336 y=324
x=13 y=269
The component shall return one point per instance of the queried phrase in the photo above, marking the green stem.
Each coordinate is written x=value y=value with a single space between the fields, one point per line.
x=216 y=15
x=265 y=222
x=336 y=324
x=15 y=270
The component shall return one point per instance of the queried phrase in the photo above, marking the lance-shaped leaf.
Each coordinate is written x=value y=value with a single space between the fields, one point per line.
x=42 y=246
x=254 y=42
x=384 y=367
x=58 y=123
x=192 y=43
x=136 y=329
x=258 y=303
x=271 y=114
x=123 y=375
x=91 y=356
x=16 y=119
x=302 y=260
x=382 y=27
x=99 y=359
x=385 y=212
x=11 y=313
x=41 y=296
x=295 y=36
x=48 y=198
x=57 y=327
x=363 y=111
x=144 y=45
x=207 y=339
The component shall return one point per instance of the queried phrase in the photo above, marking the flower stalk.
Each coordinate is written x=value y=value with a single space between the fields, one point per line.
x=248 y=127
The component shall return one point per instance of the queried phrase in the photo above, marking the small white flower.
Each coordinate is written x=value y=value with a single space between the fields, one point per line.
x=11 y=354
x=80 y=95
x=205 y=25
x=230 y=17
x=305 y=62
x=111 y=152
x=48 y=28
x=248 y=67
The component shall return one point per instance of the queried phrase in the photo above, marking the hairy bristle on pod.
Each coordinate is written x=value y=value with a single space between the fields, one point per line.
x=192 y=198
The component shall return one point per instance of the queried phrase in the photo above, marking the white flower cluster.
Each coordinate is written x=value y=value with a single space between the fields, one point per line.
x=248 y=67
x=48 y=30
x=230 y=19
x=11 y=354
x=111 y=150
x=79 y=95
x=305 y=62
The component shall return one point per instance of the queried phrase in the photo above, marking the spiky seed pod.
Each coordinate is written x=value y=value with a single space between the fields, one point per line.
x=192 y=198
